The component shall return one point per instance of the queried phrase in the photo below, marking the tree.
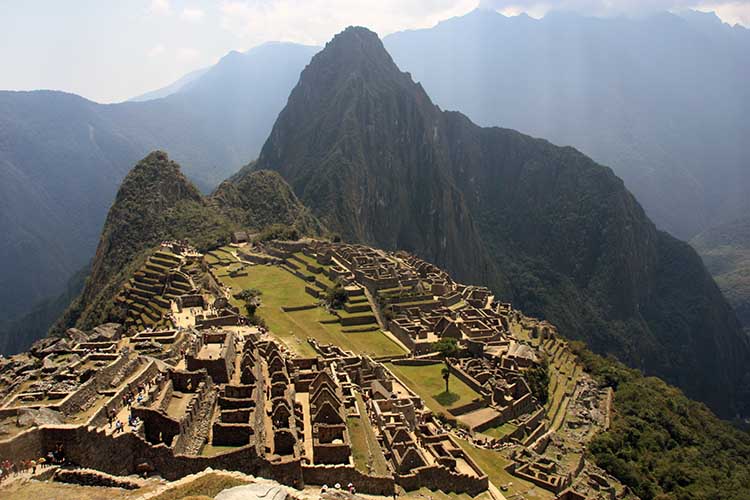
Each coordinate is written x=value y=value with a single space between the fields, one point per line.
x=336 y=296
x=249 y=294
x=446 y=373
x=447 y=347
x=538 y=379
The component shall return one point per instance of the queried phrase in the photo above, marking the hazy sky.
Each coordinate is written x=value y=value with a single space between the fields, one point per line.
x=110 y=50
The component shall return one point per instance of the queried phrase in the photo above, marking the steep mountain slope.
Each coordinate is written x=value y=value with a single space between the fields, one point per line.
x=62 y=158
x=726 y=251
x=546 y=227
x=257 y=199
x=663 y=99
x=155 y=203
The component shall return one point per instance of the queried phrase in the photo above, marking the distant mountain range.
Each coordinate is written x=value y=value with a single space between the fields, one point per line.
x=62 y=158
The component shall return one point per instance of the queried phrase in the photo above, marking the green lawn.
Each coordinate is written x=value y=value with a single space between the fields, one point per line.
x=364 y=443
x=500 y=431
x=428 y=383
x=282 y=288
x=493 y=464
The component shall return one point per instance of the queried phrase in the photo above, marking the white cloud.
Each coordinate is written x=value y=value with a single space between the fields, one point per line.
x=156 y=50
x=192 y=15
x=159 y=7
x=316 y=21
x=731 y=11
x=187 y=54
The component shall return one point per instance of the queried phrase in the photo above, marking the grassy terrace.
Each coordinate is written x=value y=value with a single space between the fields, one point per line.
x=365 y=447
x=428 y=383
x=281 y=288
x=500 y=431
x=493 y=464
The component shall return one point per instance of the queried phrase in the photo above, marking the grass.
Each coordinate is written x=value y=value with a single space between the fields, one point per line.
x=365 y=447
x=500 y=431
x=281 y=288
x=208 y=485
x=493 y=464
x=210 y=450
x=428 y=383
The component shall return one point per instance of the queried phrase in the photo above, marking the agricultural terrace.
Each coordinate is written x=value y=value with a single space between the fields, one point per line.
x=493 y=464
x=283 y=289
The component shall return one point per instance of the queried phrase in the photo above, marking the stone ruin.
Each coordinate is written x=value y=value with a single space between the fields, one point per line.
x=215 y=391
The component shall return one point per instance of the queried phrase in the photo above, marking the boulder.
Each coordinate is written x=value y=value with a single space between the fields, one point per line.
x=43 y=416
x=76 y=335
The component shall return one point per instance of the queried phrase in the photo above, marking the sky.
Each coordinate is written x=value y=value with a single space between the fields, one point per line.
x=112 y=50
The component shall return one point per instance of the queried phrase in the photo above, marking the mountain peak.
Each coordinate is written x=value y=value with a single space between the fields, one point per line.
x=356 y=47
x=157 y=179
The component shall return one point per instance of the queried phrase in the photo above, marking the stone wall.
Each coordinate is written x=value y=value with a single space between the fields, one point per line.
x=231 y=434
x=93 y=448
x=88 y=477
x=115 y=403
x=440 y=478
x=345 y=474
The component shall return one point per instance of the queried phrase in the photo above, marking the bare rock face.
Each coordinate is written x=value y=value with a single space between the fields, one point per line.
x=42 y=416
x=255 y=491
x=107 y=332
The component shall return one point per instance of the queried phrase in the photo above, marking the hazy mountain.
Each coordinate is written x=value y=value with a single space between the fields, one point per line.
x=559 y=235
x=726 y=251
x=62 y=158
x=663 y=100
x=172 y=88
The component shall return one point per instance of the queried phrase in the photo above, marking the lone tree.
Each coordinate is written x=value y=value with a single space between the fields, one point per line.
x=446 y=373
x=447 y=347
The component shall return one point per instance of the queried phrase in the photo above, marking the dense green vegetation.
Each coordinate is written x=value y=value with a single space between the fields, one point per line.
x=538 y=379
x=663 y=445
x=261 y=199
x=545 y=227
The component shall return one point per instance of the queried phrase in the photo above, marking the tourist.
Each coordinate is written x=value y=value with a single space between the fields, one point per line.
x=337 y=486
x=324 y=489
x=118 y=426
x=33 y=466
